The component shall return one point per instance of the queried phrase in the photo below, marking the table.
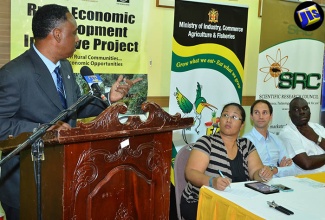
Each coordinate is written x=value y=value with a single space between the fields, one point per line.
x=239 y=202
x=320 y=177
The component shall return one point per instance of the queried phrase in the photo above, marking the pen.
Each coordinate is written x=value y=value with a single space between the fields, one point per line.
x=221 y=174
x=286 y=210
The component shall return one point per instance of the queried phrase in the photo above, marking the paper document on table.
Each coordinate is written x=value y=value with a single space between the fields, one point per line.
x=239 y=191
x=310 y=182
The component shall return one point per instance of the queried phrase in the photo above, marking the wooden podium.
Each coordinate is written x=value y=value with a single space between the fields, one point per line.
x=104 y=169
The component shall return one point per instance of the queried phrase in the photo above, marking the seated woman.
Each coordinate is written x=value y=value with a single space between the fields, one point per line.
x=224 y=151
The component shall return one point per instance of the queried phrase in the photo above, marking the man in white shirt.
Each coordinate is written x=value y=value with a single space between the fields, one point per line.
x=269 y=147
x=304 y=140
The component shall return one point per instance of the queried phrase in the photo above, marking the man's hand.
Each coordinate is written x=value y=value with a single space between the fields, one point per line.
x=60 y=125
x=121 y=88
x=308 y=132
x=265 y=174
x=285 y=162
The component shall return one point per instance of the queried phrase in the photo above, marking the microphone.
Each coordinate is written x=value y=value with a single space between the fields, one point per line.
x=93 y=81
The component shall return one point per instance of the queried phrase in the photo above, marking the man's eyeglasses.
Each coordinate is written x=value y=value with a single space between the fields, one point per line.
x=234 y=117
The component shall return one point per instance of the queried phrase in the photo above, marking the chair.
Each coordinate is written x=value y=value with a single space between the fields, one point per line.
x=179 y=175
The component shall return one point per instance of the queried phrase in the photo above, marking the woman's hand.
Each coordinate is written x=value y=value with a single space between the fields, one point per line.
x=220 y=183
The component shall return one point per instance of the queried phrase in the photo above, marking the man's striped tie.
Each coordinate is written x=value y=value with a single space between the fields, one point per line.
x=59 y=87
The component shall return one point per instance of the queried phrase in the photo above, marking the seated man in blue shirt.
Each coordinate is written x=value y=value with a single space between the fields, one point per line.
x=269 y=147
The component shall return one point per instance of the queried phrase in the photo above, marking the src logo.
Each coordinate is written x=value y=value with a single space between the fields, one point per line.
x=289 y=80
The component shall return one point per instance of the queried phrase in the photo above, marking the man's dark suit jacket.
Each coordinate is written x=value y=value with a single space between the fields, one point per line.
x=28 y=97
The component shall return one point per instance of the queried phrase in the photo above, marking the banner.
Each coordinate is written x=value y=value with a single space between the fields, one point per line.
x=207 y=64
x=208 y=53
x=322 y=116
x=112 y=36
x=290 y=62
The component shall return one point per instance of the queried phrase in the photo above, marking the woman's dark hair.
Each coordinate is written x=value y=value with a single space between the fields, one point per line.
x=47 y=18
x=242 y=110
x=262 y=101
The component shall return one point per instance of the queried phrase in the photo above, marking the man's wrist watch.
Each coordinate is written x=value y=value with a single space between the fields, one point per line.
x=319 y=140
x=272 y=168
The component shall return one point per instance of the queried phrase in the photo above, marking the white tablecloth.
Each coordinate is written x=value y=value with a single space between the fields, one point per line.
x=307 y=201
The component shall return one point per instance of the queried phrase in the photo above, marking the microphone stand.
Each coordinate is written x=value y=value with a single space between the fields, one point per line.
x=38 y=146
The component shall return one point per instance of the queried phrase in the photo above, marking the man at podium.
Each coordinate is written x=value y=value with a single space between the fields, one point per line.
x=37 y=85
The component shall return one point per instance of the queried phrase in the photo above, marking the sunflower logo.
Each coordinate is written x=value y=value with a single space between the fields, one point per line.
x=276 y=67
